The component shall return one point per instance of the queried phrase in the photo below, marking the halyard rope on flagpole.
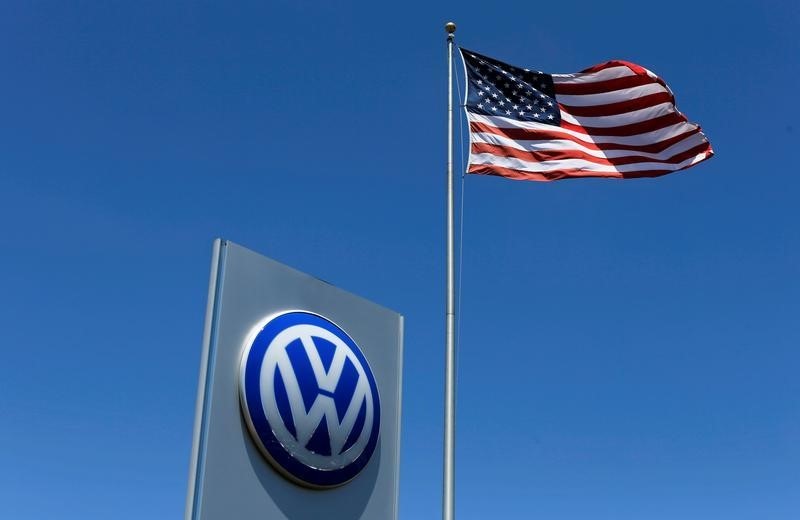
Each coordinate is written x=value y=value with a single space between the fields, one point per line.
x=460 y=270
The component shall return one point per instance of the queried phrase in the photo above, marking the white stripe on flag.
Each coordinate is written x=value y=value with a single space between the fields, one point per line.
x=615 y=96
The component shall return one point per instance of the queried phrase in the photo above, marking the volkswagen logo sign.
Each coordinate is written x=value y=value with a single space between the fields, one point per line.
x=309 y=399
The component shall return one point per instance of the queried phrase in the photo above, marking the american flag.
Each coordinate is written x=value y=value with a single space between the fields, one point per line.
x=616 y=119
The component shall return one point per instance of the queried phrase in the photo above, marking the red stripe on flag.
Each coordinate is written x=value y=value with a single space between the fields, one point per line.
x=657 y=123
x=556 y=174
x=621 y=107
x=638 y=69
x=559 y=155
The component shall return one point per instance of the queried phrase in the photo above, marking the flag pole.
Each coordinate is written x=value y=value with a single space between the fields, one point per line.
x=448 y=495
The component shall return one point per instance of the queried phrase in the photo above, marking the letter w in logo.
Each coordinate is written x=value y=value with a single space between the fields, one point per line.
x=317 y=380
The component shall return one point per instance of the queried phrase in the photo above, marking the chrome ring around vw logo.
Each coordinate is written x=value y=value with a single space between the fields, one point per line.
x=309 y=399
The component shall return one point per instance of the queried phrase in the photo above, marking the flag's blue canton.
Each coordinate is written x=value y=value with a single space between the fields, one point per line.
x=500 y=89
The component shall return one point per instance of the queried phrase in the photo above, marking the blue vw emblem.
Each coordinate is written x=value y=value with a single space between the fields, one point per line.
x=310 y=399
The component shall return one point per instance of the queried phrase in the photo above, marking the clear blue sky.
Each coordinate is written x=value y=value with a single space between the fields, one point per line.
x=630 y=349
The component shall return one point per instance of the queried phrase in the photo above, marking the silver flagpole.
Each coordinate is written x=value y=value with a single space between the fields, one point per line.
x=448 y=498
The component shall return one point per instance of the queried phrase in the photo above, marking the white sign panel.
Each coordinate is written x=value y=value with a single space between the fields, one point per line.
x=298 y=409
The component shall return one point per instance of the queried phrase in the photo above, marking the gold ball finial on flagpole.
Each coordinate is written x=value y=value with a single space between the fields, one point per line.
x=450 y=27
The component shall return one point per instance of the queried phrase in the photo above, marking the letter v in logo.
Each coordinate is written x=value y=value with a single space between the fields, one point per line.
x=309 y=399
